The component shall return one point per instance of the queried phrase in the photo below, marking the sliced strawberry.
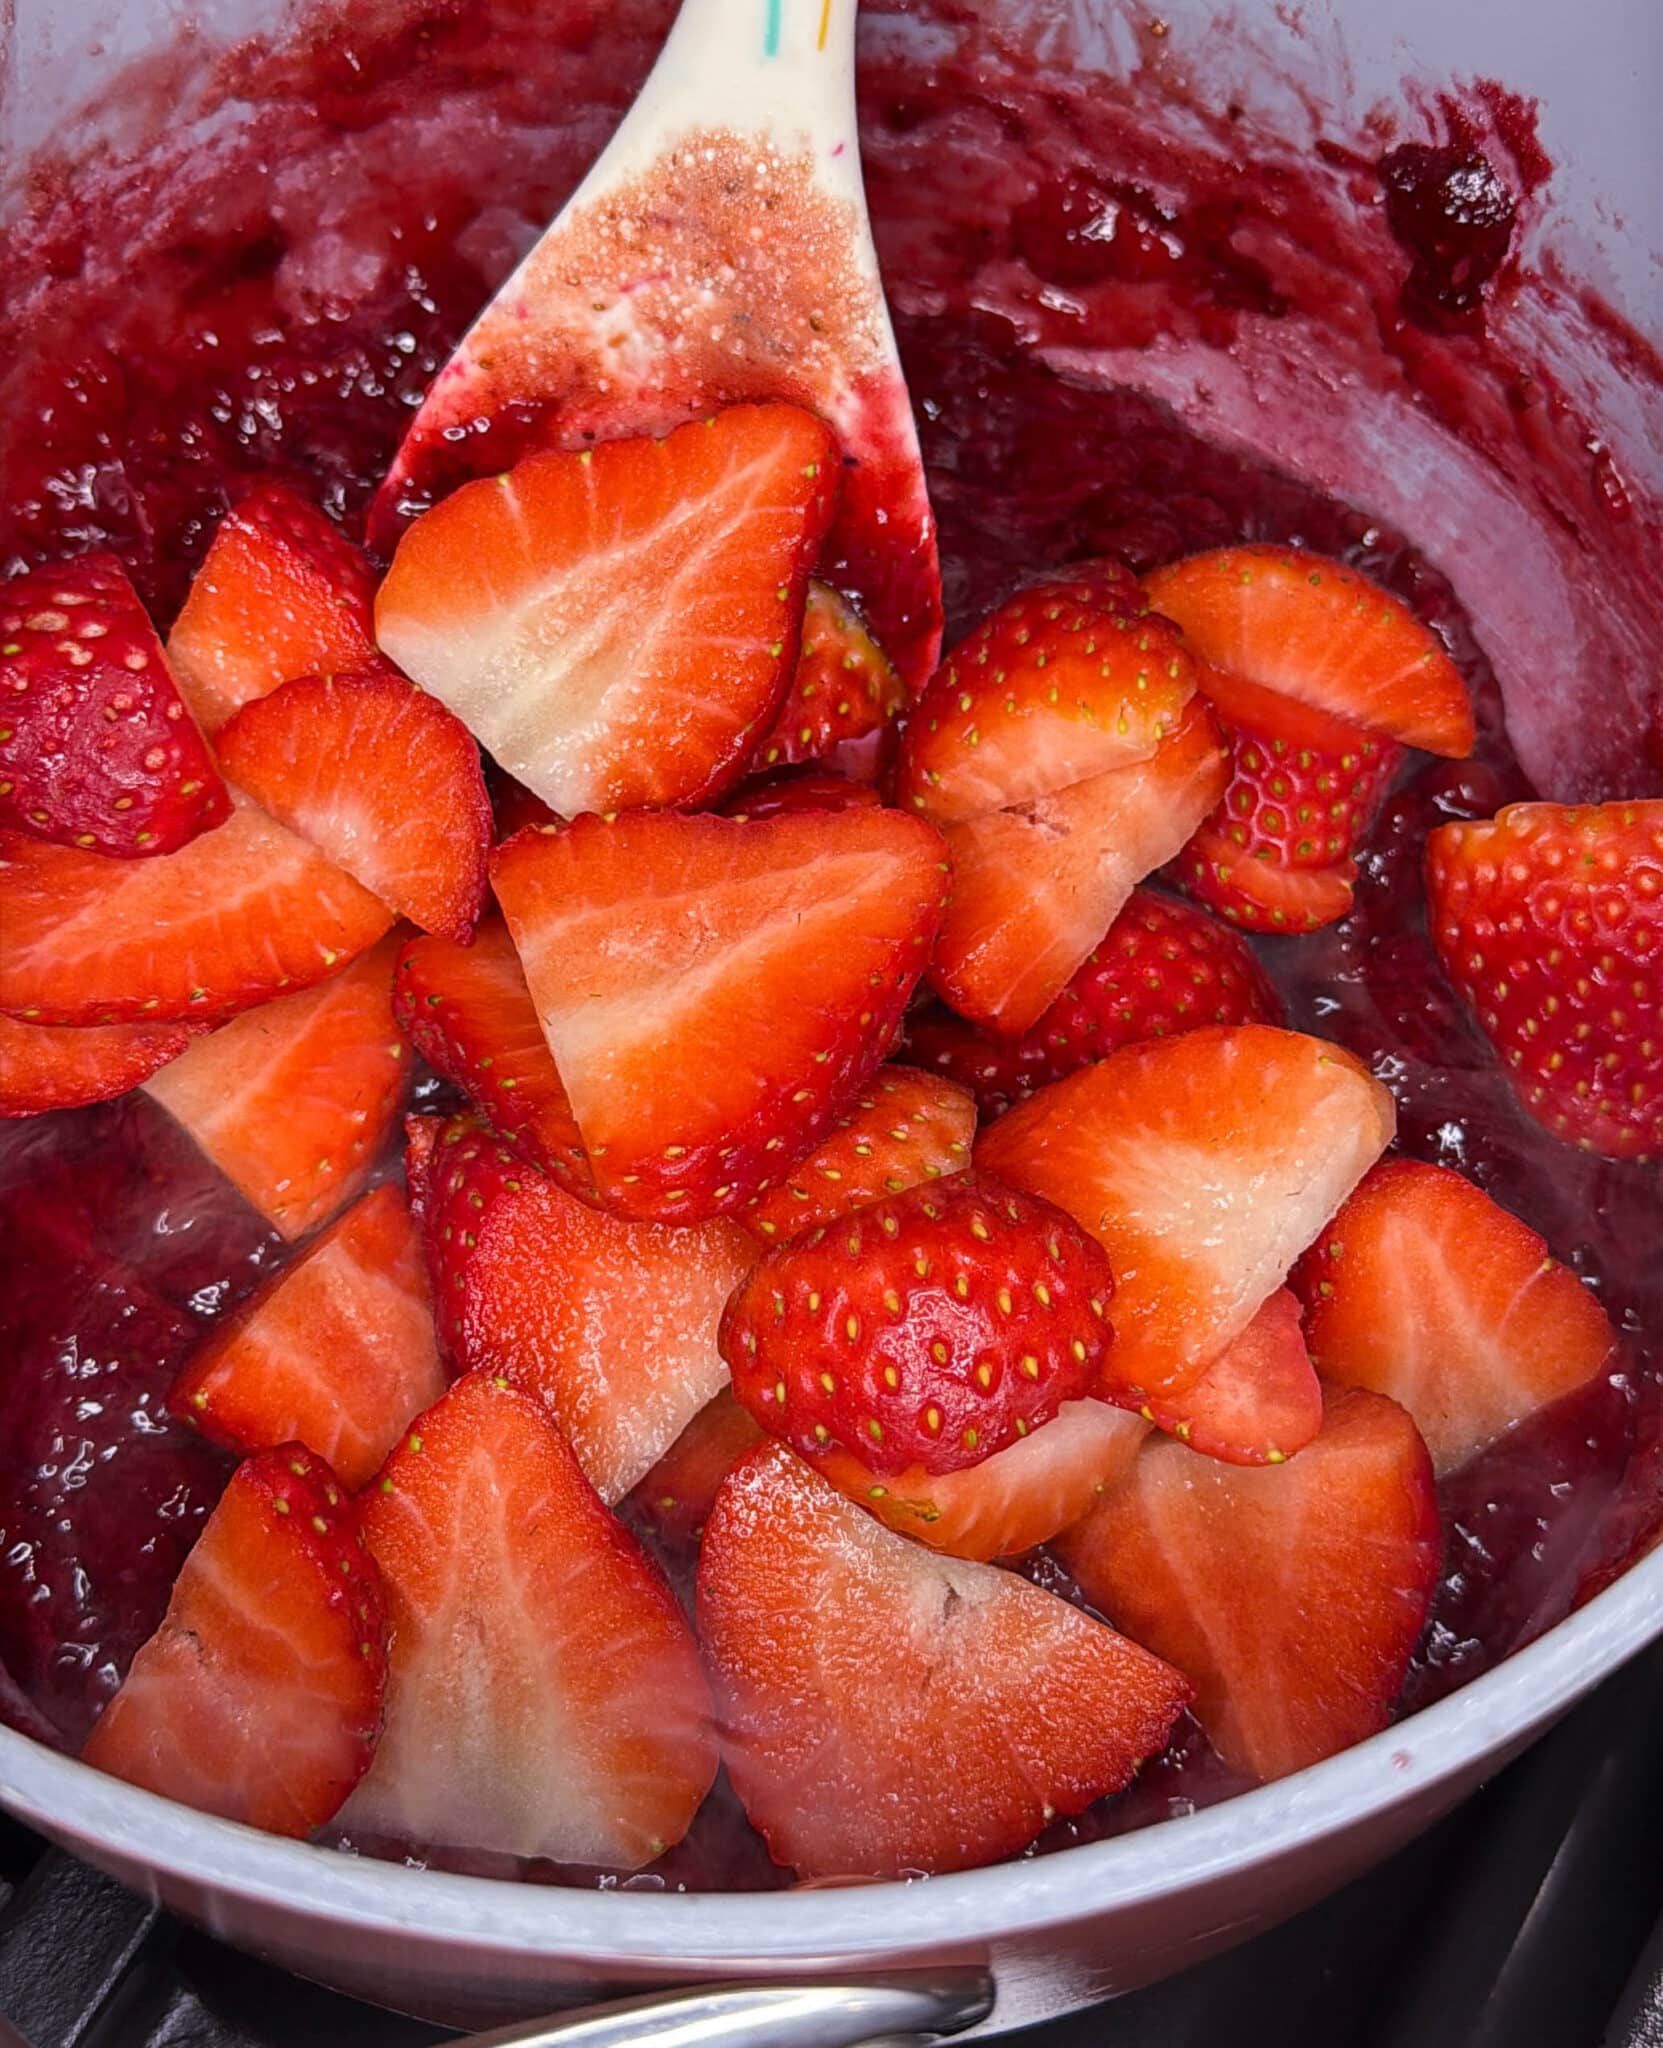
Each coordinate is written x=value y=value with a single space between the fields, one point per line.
x=714 y=992
x=1161 y=968
x=232 y=919
x=1310 y=628
x=1061 y=684
x=97 y=748
x=613 y=1323
x=904 y=1127
x=676 y=1496
x=259 y=1697
x=1205 y=1164
x=544 y=1696
x=382 y=779
x=886 y=1711
x=1260 y=1400
x=281 y=593
x=336 y=1352
x=1424 y=1289
x=1021 y=1496
x=1262 y=895
x=618 y=626
x=769 y=796
x=1036 y=888
x=931 y=1329
x=54 y=1066
x=1549 y=920
x=294 y=1101
x=844 y=697
x=1292 y=1595
x=468 y=1012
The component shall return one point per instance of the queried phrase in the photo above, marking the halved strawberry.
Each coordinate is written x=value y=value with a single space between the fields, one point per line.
x=544 y=1696
x=1310 y=628
x=1424 y=1289
x=618 y=626
x=1021 y=1496
x=903 y=1127
x=1161 y=968
x=769 y=796
x=234 y=918
x=713 y=992
x=259 y=1697
x=97 y=748
x=1292 y=1595
x=56 y=1066
x=281 y=593
x=1205 y=1164
x=381 y=778
x=1260 y=1400
x=1262 y=895
x=931 y=1329
x=1036 y=887
x=1061 y=684
x=468 y=1012
x=294 y=1101
x=613 y=1323
x=887 y=1711
x=676 y=1496
x=336 y=1351
x=844 y=697
x=1549 y=920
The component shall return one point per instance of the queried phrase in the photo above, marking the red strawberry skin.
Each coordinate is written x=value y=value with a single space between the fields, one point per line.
x=97 y=747
x=52 y=1066
x=259 y=1697
x=1549 y=920
x=844 y=696
x=1163 y=967
x=932 y=1329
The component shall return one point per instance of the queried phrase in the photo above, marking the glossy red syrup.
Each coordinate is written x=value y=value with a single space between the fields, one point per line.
x=178 y=326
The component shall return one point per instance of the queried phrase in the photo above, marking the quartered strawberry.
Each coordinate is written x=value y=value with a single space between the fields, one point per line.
x=1263 y=895
x=336 y=1351
x=1292 y=1595
x=468 y=1012
x=769 y=796
x=97 y=747
x=714 y=992
x=887 y=1711
x=1036 y=887
x=613 y=1323
x=234 y=918
x=1549 y=920
x=1205 y=1164
x=54 y=1066
x=1424 y=1289
x=903 y=1128
x=1161 y=968
x=259 y=1697
x=930 y=1329
x=281 y=593
x=544 y=1696
x=1260 y=1400
x=844 y=697
x=1312 y=629
x=617 y=627
x=295 y=1101
x=381 y=778
x=1061 y=684
x=675 y=1498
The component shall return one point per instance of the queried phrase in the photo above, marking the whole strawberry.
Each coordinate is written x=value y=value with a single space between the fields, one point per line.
x=1549 y=920
x=927 y=1332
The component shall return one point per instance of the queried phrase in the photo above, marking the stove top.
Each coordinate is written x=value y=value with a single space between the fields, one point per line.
x=1531 y=1918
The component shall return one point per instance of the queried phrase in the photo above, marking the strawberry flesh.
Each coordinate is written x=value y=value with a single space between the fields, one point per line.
x=56 y=1066
x=768 y=796
x=675 y=1498
x=1259 y=1401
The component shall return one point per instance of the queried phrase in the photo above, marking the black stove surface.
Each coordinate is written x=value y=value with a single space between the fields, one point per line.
x=1531 y=1918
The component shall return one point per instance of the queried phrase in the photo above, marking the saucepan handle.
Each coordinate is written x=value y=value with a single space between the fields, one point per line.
x=859 y=2012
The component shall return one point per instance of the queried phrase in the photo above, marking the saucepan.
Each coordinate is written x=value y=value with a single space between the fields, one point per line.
x=86 y=78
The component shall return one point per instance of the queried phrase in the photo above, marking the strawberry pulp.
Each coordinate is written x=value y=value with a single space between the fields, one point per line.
x=199 y=336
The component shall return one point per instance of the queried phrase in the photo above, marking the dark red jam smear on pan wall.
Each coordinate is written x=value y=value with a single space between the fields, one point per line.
x=282 y=308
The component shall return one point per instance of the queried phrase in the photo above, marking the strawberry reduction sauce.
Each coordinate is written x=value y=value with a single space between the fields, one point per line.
x=274 y=299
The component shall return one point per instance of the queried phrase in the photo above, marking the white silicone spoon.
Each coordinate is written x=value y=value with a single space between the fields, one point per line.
x=719 y=250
